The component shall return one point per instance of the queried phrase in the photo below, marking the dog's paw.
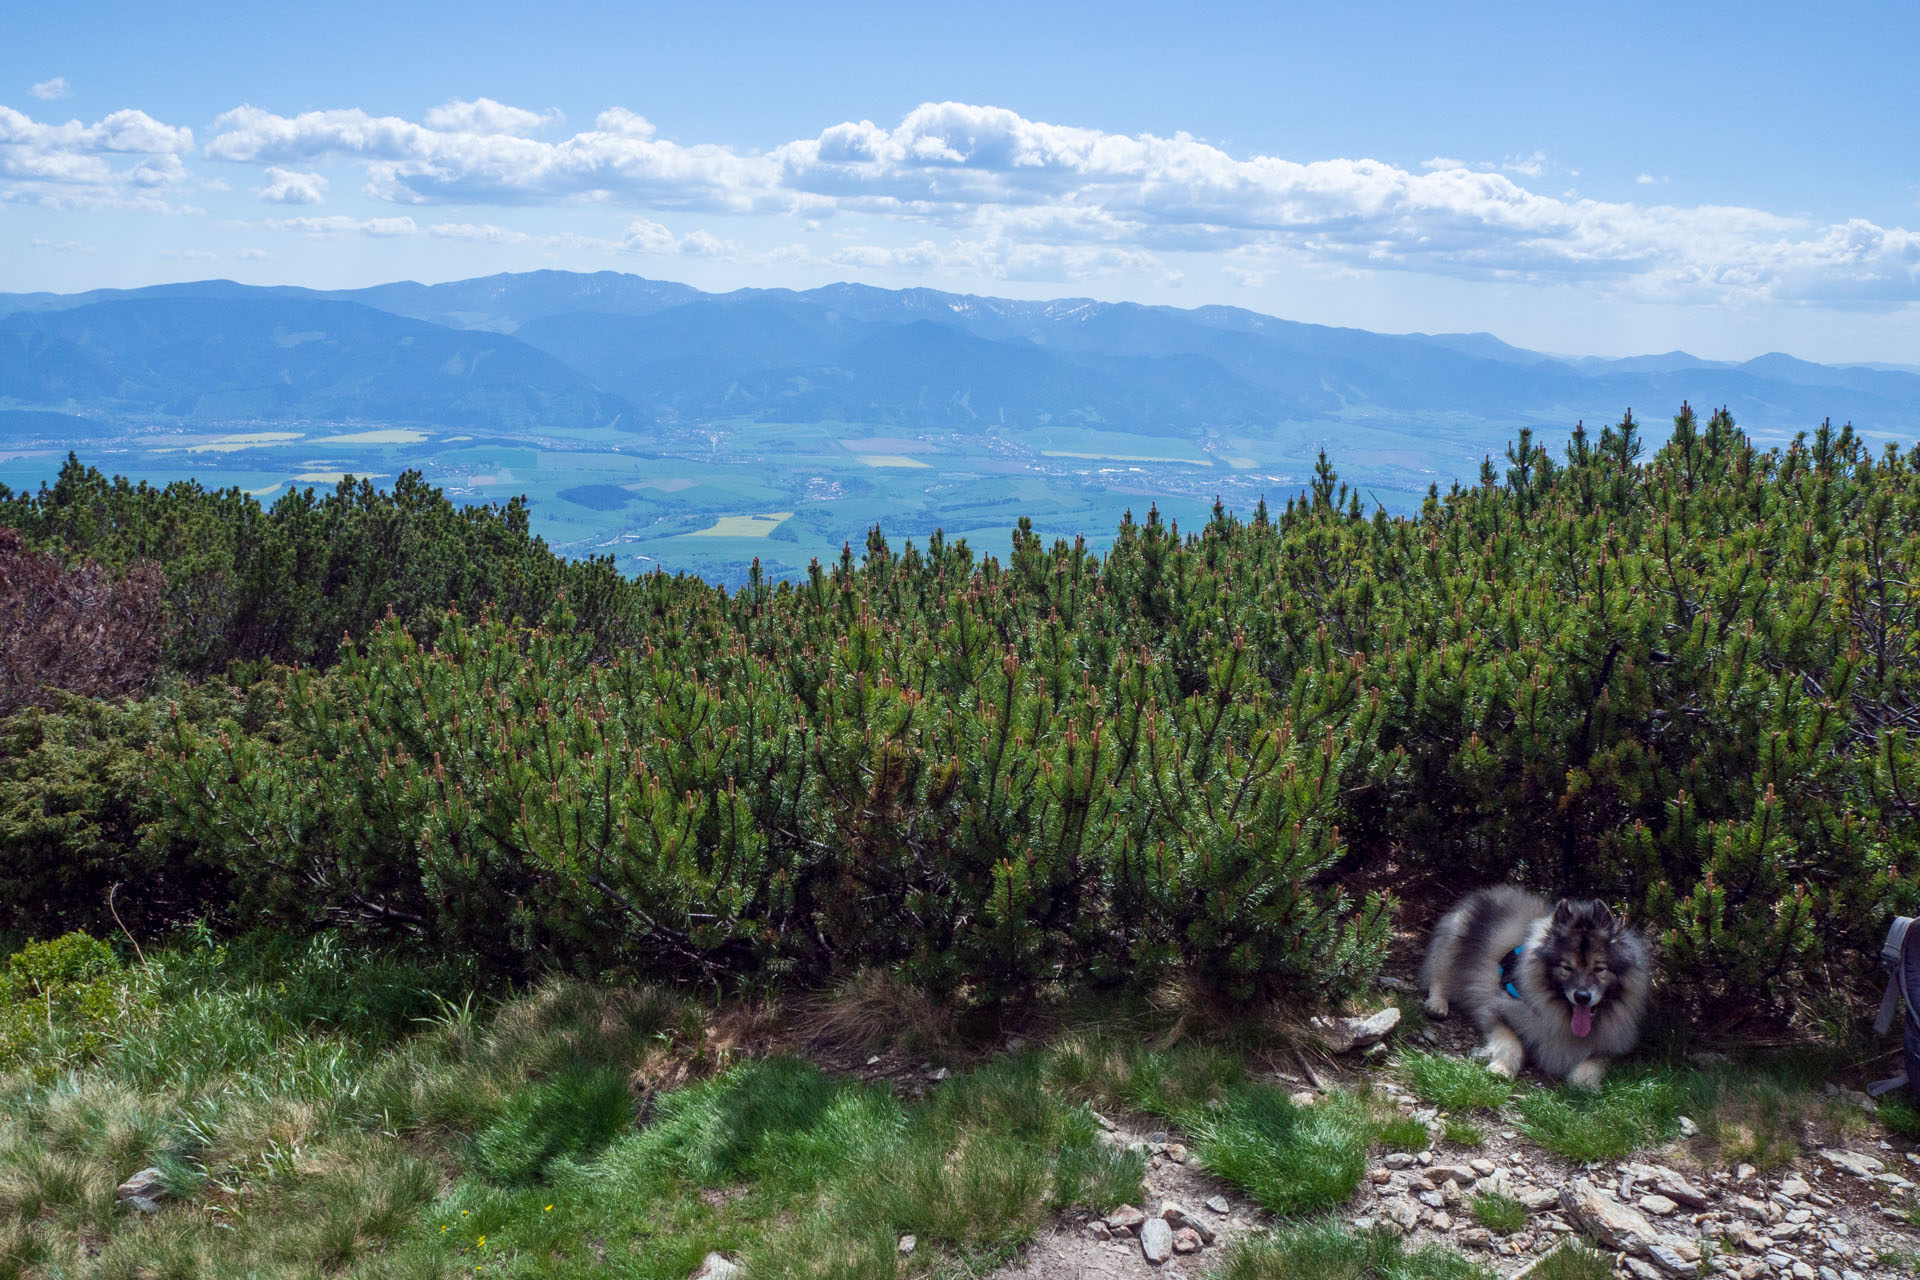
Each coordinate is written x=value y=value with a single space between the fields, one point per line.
x=1437 y=1005
x=1498 y=1065
x=1588 y=1075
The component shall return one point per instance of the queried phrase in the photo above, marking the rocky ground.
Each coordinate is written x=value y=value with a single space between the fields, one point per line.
x=1843 y=1212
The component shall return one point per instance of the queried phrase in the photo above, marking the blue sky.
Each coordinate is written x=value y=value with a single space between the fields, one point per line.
x=1731 y=179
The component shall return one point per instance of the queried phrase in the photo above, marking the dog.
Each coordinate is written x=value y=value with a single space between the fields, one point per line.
x=1565 y=985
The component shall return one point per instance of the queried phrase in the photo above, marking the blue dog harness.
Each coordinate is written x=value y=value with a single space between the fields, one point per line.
x=1509 y=964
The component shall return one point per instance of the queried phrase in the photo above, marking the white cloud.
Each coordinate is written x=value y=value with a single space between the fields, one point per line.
x=47 y=90
x=60 y=246
x=191 y=255
x=1645 y=179
x=290 y=186
x=969 y=188
x=484 y=115
x=122 y=160
x=252 y=255
x=336 y=225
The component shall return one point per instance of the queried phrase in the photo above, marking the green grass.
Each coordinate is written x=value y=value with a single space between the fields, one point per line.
x=1456 y=1084
x=1899 y=1115
x=1330 y=1250
x=1630 y=1113
x=1292 y=1159
x=1404 y=1133
x=1574 y=1260
x=1462 y=1133
x=1498 y=1213
x=1761 y=1113
x=321 y=1110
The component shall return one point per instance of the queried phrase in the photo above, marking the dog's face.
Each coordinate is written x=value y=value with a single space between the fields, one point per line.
x=1582 y=960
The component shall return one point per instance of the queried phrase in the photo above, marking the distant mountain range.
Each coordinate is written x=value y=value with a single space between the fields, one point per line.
x=555 y=349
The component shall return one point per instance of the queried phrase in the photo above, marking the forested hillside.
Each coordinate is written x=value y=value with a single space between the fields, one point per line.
x=1688 y=682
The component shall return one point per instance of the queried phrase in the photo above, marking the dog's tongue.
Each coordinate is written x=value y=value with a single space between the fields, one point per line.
x=1582 y=1020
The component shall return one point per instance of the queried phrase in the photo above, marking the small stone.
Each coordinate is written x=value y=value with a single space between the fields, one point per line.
x=1399 y=1160
x=1433 y=1199
x=1828 y=1273
x=1688 y=1129
x=1482 y=1167
x=1186 y=1240
x=1178 y=1217
x=1443 y=1222
x=1176 y=1152
x=941 y=1074
x=1380 y=1177
x=1099 y=1230
x=715 y=1267
x=143 y=1191
x=1795 y=1187
x=1742 y=1172
x=1343 y=1035
x=1157 y=1137
x=1156 y=1240
x=1641 y=1269
x=1405 y=1213
x=1104 y=1123
x=1454 y=1173
x=1779 y=1260
x=1670 y=1258
x=1801 y=1271
x=1303 y=1098
x=1657 y=1205
x=1219 y=1204
x=1538 y=1198
x=874 y=1061
x=1475 y=1237
x=1126 y=1218
x=1856 y=1163
x=907 y=1245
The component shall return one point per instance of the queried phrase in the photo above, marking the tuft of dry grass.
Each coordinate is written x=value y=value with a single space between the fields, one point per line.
x=877 y=1009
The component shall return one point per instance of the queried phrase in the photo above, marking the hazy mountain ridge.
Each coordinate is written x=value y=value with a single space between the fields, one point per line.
x=586 y=349
x=279 y=356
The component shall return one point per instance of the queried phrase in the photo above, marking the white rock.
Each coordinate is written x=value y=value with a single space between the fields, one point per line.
x=715 y=1267
x=1688 y=1129
x=1342 y=1035
x=907 y=1245
x=1218 y=1204
x=1657 y=1205
x=1856 y=1163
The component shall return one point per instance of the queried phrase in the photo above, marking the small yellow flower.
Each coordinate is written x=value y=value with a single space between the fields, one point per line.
x=463 y=1213
x=548 y=1209
x=483 y=1242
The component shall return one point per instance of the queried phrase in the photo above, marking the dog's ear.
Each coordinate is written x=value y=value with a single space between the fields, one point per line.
x=1603 y=917
x=1562 y=911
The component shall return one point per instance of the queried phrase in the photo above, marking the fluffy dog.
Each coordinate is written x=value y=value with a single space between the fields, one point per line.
x=1565 y=985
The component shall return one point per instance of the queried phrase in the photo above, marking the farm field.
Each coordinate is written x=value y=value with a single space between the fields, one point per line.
x=704 y=500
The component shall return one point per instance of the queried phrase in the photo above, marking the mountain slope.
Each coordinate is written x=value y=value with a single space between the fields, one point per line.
x=295 y=357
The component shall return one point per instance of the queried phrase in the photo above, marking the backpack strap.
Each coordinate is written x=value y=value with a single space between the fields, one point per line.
x=1890 y=954
x=1893 y=956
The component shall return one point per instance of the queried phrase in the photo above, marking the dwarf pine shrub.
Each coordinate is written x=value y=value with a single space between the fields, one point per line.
x=1685 y=680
